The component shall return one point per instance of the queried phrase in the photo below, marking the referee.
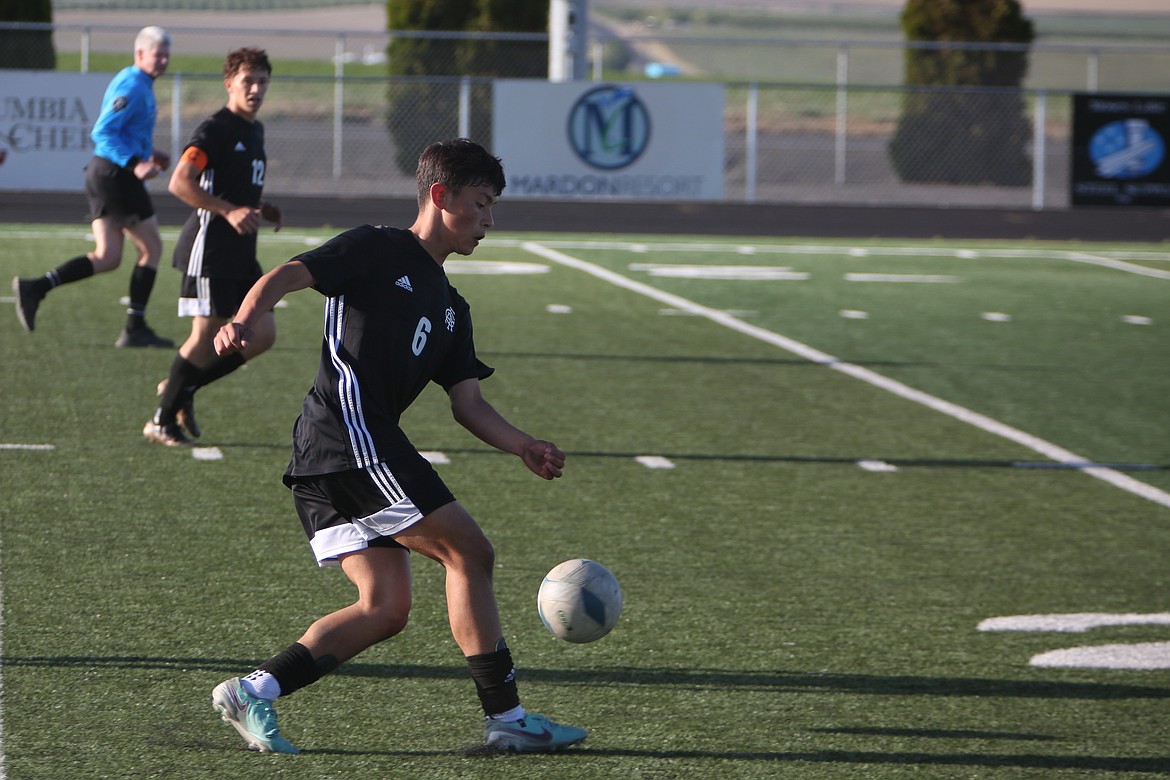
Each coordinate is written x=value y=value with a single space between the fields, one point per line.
x=119 y=205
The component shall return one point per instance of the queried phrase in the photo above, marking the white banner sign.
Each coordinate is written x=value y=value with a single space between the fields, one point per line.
x=643 y=141
x=45 y=121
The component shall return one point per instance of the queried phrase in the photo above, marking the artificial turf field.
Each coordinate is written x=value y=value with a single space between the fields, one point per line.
x=816 y=468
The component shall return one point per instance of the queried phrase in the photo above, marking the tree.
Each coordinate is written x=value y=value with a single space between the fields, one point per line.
x=427 y=110
x=27 y=49
x=957 y=132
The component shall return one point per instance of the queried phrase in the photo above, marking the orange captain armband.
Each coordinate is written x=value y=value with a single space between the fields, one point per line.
x=195 y=156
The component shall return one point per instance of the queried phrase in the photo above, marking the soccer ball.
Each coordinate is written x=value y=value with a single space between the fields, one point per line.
x=579 y=601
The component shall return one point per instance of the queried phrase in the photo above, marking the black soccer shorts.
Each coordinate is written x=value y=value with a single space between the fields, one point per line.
x=201 y=296
x=352 y=510
x=116 y=194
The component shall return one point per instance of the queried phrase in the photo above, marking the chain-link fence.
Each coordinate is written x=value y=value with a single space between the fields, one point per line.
x=812 y=123
x=782 y=143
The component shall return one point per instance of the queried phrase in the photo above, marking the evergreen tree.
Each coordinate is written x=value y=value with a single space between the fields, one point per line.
x=422 y=112
x=955 y=135
x=27 y=49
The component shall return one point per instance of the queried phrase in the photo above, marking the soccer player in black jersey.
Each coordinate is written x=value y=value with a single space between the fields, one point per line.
x=221 y=174
x=365 y=496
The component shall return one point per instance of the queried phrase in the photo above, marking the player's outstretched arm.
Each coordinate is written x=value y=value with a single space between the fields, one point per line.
x=473 y=412
x=262 y=298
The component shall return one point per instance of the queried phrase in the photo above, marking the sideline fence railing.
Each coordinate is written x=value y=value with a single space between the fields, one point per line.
x=816 y=140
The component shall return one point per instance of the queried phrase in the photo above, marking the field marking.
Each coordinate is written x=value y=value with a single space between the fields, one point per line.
x=1112 y=260
x=1130 y=655
x=960 y=413
x=903 y=278
x=1138 y=655
x=494 y=267
x=38 y=447
x=749 y=273
x=1115 y=260
x=877 y=466
x=1073 y=622
x=655 y=461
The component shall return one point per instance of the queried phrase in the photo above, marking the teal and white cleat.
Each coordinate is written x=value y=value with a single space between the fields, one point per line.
x=254 y=718
x=531 y=734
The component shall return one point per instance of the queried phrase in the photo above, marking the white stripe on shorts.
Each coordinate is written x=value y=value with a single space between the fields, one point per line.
x=329 y=543
x=200 y=306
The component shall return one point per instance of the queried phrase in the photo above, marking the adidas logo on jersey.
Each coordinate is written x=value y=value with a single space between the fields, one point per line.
x=404 y=283
x=240 y=146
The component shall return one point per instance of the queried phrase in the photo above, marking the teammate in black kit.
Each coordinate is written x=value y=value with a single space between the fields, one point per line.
x=365 y=496
x=221 y=174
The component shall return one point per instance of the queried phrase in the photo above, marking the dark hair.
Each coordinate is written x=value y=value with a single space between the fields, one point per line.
x=456 y=164
x=247 y=57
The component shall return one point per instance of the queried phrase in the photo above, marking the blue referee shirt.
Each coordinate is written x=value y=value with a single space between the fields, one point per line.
x=124 y=129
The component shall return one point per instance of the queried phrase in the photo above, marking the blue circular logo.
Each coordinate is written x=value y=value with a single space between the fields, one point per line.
x=1126 y=149
x=609 y=127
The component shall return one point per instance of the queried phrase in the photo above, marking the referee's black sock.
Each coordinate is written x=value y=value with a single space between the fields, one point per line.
x=72 y=270
x=141 y=283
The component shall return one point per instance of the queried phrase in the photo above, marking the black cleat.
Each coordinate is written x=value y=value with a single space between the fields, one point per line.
x=142 y=336
x=169 y=435
x=27 y=301
x=186 y=411
x=186 y=417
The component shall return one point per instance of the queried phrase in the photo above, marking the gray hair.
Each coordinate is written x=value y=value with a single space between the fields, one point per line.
x=151 y=38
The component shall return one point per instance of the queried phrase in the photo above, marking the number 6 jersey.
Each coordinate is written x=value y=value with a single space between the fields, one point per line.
x=393 y=323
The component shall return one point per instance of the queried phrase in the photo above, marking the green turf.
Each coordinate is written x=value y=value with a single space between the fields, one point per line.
x=788 y=614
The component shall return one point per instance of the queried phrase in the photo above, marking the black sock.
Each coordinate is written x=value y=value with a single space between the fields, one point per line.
x=495 y=680
x=294 y=667
x=180 y=383
x=141 y=283
x=218 y=369
x=72 y=270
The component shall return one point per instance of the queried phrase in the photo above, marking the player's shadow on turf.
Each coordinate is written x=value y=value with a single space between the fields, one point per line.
x=689 y=679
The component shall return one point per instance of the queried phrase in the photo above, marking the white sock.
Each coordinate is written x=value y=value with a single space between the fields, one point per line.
x=511 y=716
x=262 y=685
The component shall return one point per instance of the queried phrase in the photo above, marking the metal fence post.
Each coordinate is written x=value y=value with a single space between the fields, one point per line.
x=85 y=36
x=176 y=110
x=338 y=101
x=465 y=107
x=1039 y=150
x=751 y=141
x=1094 y=78
x=842 y=113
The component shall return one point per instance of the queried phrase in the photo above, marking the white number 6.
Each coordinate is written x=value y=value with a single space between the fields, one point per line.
x=420 y=336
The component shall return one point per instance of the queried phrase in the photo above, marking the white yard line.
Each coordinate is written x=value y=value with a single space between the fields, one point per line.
x=1104 y=260
x=982 y=422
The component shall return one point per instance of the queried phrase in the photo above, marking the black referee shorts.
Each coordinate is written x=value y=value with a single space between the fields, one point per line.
x=116 y=193
x=352 y=510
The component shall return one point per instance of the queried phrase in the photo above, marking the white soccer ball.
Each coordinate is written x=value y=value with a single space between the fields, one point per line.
x=579 y=601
